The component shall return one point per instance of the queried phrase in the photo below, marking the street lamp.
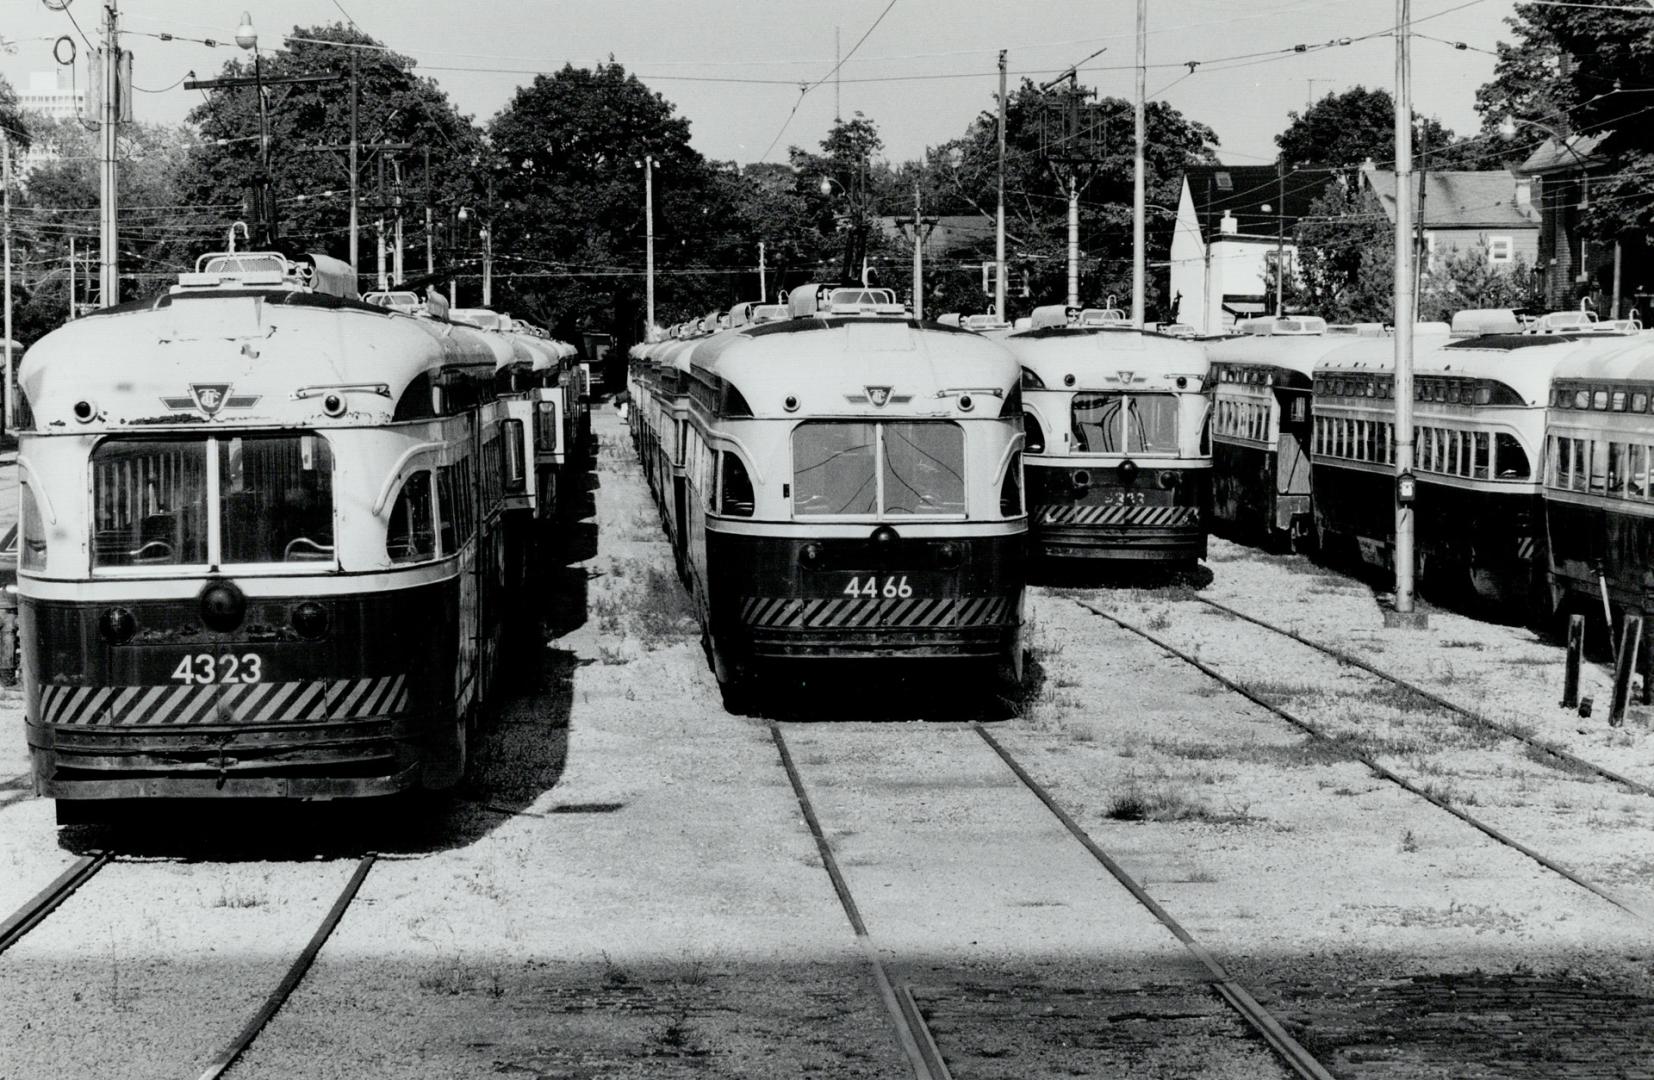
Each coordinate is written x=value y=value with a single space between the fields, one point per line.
x=854 y=224
x=247 y=38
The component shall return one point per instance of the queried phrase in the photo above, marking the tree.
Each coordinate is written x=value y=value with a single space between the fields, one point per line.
x=1467 y=278
x=12 y=121
x=856 y=188
x=1346 y=129
x=962 y=179
x=308 y=127
x=1345 y=258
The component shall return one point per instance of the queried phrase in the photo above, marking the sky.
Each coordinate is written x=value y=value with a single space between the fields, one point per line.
x=920 y=69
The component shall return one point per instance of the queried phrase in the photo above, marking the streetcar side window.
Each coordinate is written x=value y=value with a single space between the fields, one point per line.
x=1579 y=470
x=276 y=498
x=1010 y=490
x=1480 y=464
x=31 y=552
x=735 y=495
x=1636 y=485
x=1599 y=466
x=411 y=535
x=149 y=499
x=1616 y=470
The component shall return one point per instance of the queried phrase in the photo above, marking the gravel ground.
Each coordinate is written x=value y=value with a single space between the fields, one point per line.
x=626 y=887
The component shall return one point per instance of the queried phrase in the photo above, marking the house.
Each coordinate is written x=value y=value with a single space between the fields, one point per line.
x=1464 y=210
x=1610 y=275
x=1233 y=223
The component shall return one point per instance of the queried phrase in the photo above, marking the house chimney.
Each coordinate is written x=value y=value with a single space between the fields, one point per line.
x=1228 y=226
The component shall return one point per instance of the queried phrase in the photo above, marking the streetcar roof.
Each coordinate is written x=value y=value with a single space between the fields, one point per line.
x=1610 y=358
x=1098 y=355
x=268 y=357
x=1298 y=353
x=838 y=365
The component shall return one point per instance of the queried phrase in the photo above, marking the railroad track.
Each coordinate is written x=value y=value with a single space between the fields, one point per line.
x=1344 y=657
x=39 y=907
x=919 y=1043
x=1368 y=760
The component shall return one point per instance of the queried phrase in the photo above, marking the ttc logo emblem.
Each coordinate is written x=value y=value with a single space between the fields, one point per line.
x=210 y=398
x=878 y=395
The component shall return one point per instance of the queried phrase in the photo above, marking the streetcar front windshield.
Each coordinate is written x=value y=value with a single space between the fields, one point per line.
x=1125 y=423
x=894 y=468
x=149 y=502
x=276 y=498
x=150 y=499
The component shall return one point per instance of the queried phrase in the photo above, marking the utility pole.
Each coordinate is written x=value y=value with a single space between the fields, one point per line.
x=918 y=257
x=1280 y=236
x=487 y=266
x=355 y=266
x=1419 y=262
x=763 y=289
x=384 y=278
x=396 y=202
x=649 y=242
x=5 y=212
x=74 y=278
x=109 y=111
x=1404 y=614
x=1138 y=201
x=999 y=215
x=1073 y=238
x=430 y=242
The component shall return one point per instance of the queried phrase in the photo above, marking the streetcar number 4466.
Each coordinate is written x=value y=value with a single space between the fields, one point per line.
x=205 y=668
x=891 y=588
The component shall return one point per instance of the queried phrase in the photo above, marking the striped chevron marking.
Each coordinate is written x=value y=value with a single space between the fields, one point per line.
x=796 y=613
x=1158 y=516
x=237 y=703
x=1524 y=547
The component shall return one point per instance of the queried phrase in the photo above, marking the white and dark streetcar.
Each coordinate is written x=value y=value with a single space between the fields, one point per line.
x=853 y=489
x=1599 y=510
x=263 y=542
x=1118 y=459
x=1262 y=405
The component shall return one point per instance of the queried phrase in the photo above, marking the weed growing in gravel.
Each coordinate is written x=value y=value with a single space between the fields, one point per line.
x=238 y=898
x=1409 y=842
x=1160 y=621
x=613 y=973
x=611 y=655
x=1160 y=803
x=1476 y=645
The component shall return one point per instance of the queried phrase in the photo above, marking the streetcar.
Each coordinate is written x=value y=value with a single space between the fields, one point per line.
x=1261 y=415
x=262 y=544
x=1478 y=440
x=854 y=490
x=1599 y=510
x=1118 y=458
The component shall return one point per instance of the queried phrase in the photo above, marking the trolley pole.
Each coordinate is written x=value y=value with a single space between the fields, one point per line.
x=1073 y=238
x=999 y=215
x=109 y=109
x=918 y=257
x=355 y=224
x=1138 y=208
x=1403 y=613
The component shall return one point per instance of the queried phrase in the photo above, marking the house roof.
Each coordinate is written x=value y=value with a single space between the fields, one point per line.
x=1244 y=191
x=1458 y=199
x=1556 y=155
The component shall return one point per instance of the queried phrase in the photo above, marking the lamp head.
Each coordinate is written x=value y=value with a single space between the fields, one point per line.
x=465 y=213
x=1507 y=128
x=826 y=185
x=245 y=35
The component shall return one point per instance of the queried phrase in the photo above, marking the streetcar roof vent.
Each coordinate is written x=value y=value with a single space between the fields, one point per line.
x=852 y=301
x=268 y=269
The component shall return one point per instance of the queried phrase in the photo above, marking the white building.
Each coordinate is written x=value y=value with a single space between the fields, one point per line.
x=1232 y=222
x=49 y=94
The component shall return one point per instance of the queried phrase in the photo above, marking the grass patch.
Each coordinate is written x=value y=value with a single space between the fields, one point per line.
x=1478 y=646
x=1139 y=802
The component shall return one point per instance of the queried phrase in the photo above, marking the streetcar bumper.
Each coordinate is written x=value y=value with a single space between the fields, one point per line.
x=1174 y=533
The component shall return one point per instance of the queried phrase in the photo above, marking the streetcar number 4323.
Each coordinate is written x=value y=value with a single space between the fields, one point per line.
x=891 y=588
x=205 y=668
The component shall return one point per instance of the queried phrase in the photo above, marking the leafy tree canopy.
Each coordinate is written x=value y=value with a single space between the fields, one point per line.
x=1346 y=129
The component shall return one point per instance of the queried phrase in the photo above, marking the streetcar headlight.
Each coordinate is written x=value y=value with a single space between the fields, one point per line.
x=334 y=405
x=1182 y=382
x=222 y=606
x=809 y=554
x=85 y=411
x=1068 y=380
x=1081 y=478
x=790 y=404
x=947 y=554
x=1168 y=479
x=309 y=619
x=1128 y=472
x=965 y=403
x=117 y=625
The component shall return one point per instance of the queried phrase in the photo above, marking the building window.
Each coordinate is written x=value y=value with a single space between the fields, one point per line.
x=1501 y=250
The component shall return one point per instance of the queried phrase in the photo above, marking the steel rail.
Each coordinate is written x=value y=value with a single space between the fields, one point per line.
x=1431 y=696
x=46 y=901
x=917 y=1041
x=237 y=1046
x=1300 y=1060
x=1367 y=760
